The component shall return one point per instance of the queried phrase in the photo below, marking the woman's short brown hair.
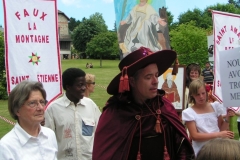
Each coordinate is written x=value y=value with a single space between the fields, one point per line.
x=189 y=68
x=20 y=94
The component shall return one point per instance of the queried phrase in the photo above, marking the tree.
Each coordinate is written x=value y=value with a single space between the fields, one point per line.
x=83 y=33
x=203 y=19
x=235 y=3
x=190 y=43
x=73 y=23
x=196 y=15
x=115 y=27
x=98 y=18
x=169 y=18
x=230 y=8
x=3 y=83
x=171 y=24
x=86 y=30
x=103 y=45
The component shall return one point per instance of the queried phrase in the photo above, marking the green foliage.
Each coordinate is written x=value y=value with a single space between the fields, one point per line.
x=230 y=8
x=235 y=3
x=190 y=43
x=188 y=36
x=169 y=17
x=195 y=15
x=115 y=27
x=98 y=18
x=103 y=45
x=83 y=33
x=203 y=19
x=3 y=83
x=171 y=24
x=86 y=30
x=73 y=24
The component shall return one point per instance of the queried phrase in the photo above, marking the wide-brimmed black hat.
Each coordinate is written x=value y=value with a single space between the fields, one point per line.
x=137 y=60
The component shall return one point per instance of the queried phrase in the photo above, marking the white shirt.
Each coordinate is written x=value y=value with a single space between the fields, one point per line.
x=19 y=145
x=205 y=123
x=74 y=127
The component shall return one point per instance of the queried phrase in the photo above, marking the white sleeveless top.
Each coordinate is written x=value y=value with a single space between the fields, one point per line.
x=205 y=123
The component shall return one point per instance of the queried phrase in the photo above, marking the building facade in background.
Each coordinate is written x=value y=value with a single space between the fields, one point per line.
x=64 y=36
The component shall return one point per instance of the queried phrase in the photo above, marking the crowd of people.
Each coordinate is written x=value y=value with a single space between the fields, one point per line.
x=138 y=122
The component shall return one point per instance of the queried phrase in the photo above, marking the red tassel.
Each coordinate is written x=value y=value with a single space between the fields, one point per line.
x=126 y=83
x=120 y=89
x=157 y=125
x=139 y=156
x=166 y=155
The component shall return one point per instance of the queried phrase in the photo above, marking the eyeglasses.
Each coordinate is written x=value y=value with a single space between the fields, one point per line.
x=92 y=83
x=34 y=104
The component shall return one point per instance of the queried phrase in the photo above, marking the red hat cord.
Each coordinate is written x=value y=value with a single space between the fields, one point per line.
x=158 y=127
x=124 y=81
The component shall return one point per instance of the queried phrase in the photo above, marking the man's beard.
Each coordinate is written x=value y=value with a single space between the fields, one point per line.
x=169 y=82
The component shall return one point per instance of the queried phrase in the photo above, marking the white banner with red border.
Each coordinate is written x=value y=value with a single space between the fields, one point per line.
x=226 y=28
x=230 y=76
x=32 y=44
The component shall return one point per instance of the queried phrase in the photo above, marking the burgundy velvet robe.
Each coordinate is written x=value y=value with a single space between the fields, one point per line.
x=117 y=126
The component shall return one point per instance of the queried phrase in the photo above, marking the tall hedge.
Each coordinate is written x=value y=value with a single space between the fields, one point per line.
x=3 y=83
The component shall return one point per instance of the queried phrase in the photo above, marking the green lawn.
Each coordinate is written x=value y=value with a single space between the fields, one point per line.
x=103 y=77
x=4 y=126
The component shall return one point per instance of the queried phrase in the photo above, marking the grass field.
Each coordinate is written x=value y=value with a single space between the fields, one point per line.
x=103 y=77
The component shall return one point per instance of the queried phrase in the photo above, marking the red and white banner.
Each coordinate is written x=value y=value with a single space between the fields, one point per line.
x=32 y=45
x=226 y=36
x=230 y=76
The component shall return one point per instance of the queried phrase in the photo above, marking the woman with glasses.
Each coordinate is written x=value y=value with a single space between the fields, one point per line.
x=28 y=139
x=90 y=84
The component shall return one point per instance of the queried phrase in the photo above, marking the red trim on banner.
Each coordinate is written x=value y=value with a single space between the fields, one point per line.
x=214 y=59
x=214 y=33
x=12 y=64
x=58 y=49
x=59 y=58
x=6 y=47
x=226 y=14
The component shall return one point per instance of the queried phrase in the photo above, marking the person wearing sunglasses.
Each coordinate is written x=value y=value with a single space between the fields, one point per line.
x=90 y=84
x=28 y=139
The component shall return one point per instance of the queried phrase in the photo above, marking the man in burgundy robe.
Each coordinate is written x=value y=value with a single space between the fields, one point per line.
x=137 y=121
